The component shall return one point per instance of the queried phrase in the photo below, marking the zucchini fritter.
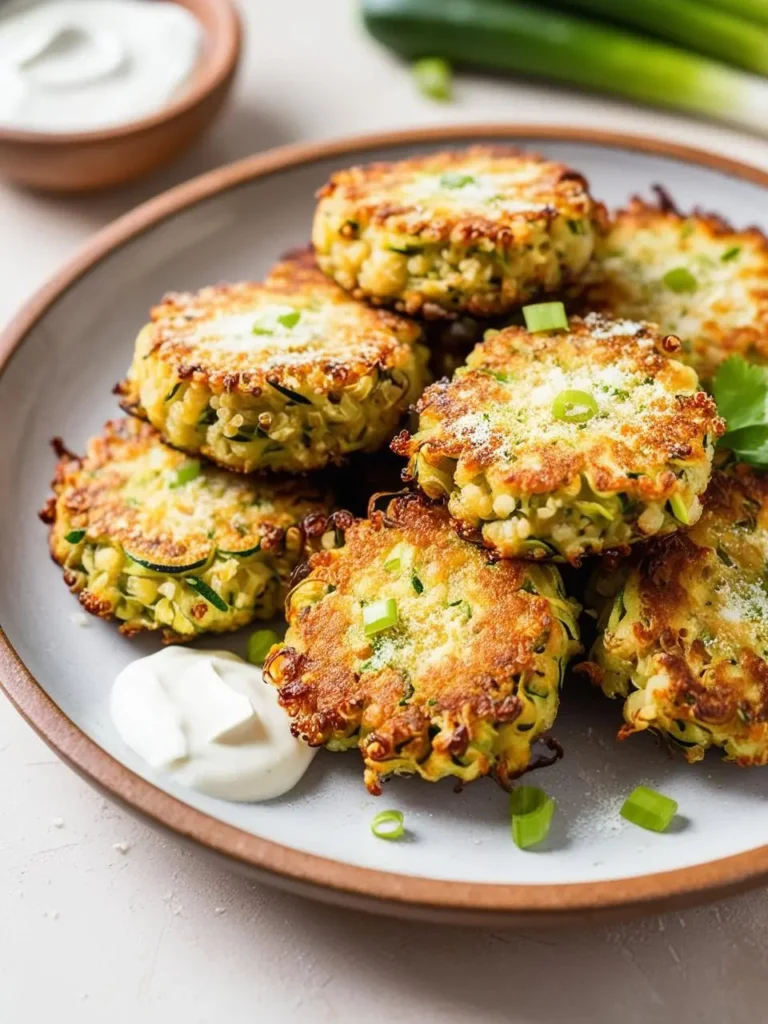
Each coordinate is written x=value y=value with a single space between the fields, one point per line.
x=684 y=641
x=568 y=443
x=463 y=678
x=161 y=542
x=286 y=375
x=475 y=231
x=695 y=275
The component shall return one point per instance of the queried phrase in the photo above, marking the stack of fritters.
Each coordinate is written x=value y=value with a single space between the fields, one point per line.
x=434 y=633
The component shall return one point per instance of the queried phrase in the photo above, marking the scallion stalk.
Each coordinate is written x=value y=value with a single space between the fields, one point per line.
x=545 y=316
x=755 y=10
x=722 y=34
x=379 y=615
x=532 y=40
x=649 y=809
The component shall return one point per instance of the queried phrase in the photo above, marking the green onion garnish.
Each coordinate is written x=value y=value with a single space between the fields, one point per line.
x=680 y=509
x=289 y=319
x=74 y=536
x=388 y=825
x=451 y=179
x=574 y=406
x=545 y=316
x=434 y=78
x=532 y=812
x=649 y=809
x=393 y=565
x=379 y=615
x=260 y=644
x=258 y=329
x=730 y=254
x=417 y=585
x=680 y=280
x=186 y=472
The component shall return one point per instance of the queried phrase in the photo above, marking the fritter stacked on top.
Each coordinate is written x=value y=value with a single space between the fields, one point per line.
x=287 y=375
x=566 y=443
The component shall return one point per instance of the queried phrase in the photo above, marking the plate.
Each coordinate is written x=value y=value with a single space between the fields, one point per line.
x=58 y=362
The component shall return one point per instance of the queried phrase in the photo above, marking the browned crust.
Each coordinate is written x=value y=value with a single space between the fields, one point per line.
x=665 y=435
x=565 y=191
x=319 y=675
x=373 y=339
x=732 y=693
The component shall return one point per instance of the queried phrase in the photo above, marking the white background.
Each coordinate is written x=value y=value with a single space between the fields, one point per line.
x=101 y=920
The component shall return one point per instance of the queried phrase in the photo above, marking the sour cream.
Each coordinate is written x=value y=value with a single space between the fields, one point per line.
x=81 y=65
x=209 y=720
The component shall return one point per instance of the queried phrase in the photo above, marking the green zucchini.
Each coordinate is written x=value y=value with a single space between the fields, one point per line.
x=207 y=592
x=287 y=393
x=170 y=570
x=241 y=554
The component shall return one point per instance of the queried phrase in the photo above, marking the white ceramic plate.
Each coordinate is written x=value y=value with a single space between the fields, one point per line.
x=58 y=363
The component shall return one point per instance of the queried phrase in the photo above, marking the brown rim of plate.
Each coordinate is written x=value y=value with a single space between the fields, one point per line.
x=219 y=55
x=336 y=881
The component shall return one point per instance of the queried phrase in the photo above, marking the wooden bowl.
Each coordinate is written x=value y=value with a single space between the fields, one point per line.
x=85 y=161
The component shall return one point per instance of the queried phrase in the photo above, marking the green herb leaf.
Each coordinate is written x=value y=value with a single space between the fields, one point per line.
x=730 y=254
x=741 y=392
x=418 y=586
x=750 y=444
x=74 y=536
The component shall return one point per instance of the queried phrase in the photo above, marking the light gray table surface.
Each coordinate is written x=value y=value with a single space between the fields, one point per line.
x=101 y=919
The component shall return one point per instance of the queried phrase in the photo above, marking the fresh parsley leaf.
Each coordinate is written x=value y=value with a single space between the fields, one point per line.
x=750 y=444
x=741 y=392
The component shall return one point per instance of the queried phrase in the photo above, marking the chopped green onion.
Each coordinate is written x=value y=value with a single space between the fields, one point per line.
x=289 y=319
x=379 y=615
x=649 y=809
x=186 y=473
x=545 y=316
x=680 y=509
x=418 y=586
x=173 y=390
x=207 y=592
x=74 y=536
x=680 y=280
x=453 y=180
x=388 y=825
x=434 y=77
x=574 y=406
x=258 y=329
x=393 y=565
x=532 y=812
x=730 y=254
x=260 y=644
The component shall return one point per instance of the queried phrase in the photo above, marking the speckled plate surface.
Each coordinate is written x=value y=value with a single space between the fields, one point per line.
x=58 y=362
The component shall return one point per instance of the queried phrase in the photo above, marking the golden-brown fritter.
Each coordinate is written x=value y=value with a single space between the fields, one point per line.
x=566 y=443
x=695 y=275
x=462 y=676
x=476 y=231
x=163 y=542
x=684 y=629
x=286 y=375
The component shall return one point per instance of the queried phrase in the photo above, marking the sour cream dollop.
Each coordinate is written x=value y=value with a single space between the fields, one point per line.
x=82 y=65
x=209 y=720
